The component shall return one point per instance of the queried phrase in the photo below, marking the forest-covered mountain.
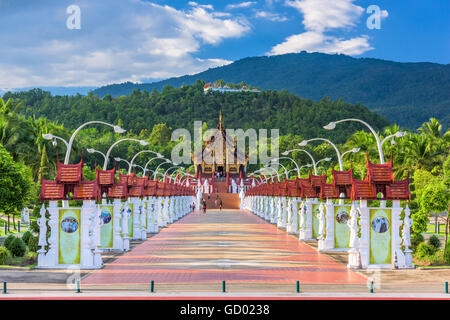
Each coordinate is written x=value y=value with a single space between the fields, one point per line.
x=180 y=107
x=405 y=93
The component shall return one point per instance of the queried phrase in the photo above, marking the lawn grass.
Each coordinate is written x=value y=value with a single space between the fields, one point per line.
x=23 y=228
x=431 y=229
x=27 y=261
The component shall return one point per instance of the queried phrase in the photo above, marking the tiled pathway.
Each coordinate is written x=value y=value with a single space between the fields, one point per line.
x=235 y=246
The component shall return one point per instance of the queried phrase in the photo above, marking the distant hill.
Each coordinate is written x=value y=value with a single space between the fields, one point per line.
x=180 y=107
x=405 y=93
x=57 y=91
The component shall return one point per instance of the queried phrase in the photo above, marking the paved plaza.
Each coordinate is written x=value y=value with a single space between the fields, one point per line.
x=231 y=245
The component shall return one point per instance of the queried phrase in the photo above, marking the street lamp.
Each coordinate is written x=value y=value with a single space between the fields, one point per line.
x=339 y=156
x=354 y=150
x=134 y=165
x=398 y=134
x=324 y=159
x=332 y=125
x=50 y=136
x=158 y=155
x=275 y=172
x=285 y=169
x=309 y=154
x=156 y=170
x=253 y=173
x=142 y=142
x=119 y=159
x=91 y=150
x=175 y=166
x=296 y=165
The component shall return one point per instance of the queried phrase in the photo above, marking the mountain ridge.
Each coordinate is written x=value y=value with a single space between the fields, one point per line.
x=407 y=93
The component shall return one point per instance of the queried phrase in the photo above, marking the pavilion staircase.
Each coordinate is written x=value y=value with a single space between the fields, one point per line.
x=229 y=200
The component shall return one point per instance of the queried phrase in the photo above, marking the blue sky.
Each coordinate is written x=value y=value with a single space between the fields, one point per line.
x=142 y=41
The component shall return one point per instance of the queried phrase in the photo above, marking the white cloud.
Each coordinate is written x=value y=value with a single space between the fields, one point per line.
x=270 y=16
x=320 y=16
x=240 y=5
x=127 y=40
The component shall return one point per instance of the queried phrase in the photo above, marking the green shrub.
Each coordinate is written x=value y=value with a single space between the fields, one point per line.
x=434 y=241
x=416 y=239
x=5 y=255
x=425 y=250
x=26 y=237
x=8 y=241
x=34 y=227
x=33 y=244
x=17 y=247
x=447 y=254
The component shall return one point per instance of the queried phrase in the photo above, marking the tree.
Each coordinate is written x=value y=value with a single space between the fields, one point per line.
x=160 y=134
x=436 y=197
x=14 y=183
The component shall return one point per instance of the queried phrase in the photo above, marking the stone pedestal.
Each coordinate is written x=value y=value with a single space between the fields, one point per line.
x=306 y=226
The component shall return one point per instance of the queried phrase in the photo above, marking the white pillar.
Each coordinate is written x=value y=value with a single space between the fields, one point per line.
x=279 y=212
x=273 y=210
x=353 y=253
x=51 y=258
x=306 y=230
x=117 y=237
x=364 y=244
x=406 y=236
x=395 y=234
x=329 y=225
x=42 y=222
x=166 y=211
x=97 y=223
x=321 y=233
x=125 y=217
x=86 y=257
x=293 y=225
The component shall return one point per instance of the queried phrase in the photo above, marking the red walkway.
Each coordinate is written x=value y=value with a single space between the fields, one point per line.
x=231 y=245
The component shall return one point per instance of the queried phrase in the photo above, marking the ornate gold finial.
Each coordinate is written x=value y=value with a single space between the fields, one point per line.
x=220 y=120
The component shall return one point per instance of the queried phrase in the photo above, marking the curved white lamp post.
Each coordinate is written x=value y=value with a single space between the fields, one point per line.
x=309 y=154
x=300 y=169
x=142 y=142
x=354 y=150
x=175 y=166
x=296 y=165
x=339 y=156
x=398 y=134
x=285 y=169
x=148 y=162
x=134 y=165
x=50 y=136
x=91 y=150
x=332 y=125
x=158 y=155
x=127 y=162
x=324 y=159
x=156 y=170
x=271 y=175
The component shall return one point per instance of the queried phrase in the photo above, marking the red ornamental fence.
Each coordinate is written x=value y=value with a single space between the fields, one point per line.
x=379 y=179
x=70 y=179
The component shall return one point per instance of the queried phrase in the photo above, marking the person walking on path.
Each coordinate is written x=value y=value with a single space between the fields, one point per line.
x=204 y=206
x=220 y=204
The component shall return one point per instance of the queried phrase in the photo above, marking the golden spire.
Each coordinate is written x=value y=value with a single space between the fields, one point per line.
x=220 y=120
